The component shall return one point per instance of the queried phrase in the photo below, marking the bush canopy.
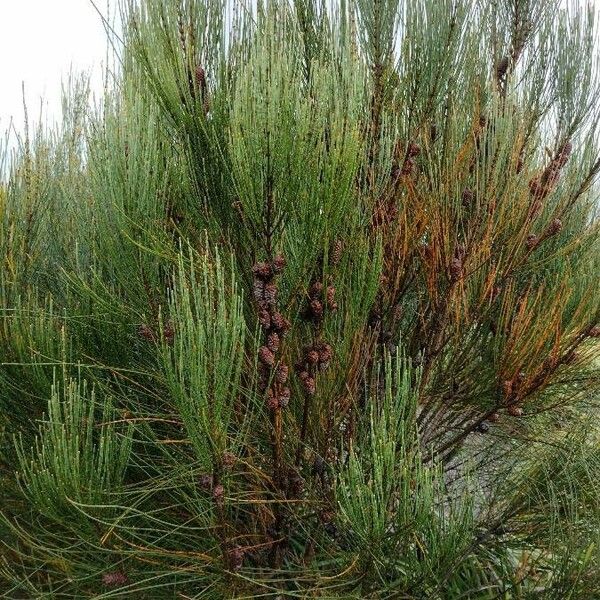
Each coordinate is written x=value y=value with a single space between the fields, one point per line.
x=307 y=307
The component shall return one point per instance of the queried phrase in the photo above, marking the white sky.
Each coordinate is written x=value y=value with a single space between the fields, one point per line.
x=40 y=41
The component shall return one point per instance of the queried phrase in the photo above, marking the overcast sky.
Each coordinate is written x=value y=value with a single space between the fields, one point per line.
x=40 y=41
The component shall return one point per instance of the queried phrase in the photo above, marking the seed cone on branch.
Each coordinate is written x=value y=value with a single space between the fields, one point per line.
x=115 y=579
x=147 y=333
x=201 y=86
x=308 y=383
x=200 y=77
x=263 y=271
x=273 y=341
x=266 y=356
x=413 y=150
x=235 y=558
x=467 y=198
x=336 y=252
x=554 y=227
x=502 y=67
x=541 y=185
x=532 y=241
x=218 y=494
x=280 y=323
x=272 y=372
x=278 y=264
x=515 y=411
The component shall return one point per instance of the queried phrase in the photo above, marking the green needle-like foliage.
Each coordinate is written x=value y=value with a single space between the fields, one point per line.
x=203 y=363
x=77 y=458
x=307 y=307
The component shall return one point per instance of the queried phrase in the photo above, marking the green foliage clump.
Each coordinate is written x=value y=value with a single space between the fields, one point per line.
x=307 y=307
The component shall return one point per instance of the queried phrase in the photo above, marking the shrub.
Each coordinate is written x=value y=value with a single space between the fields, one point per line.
x=308 y=308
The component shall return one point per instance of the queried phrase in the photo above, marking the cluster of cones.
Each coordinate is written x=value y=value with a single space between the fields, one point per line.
x=319 y=298
x=541 y=185
x=273 y=373
x=315 y=358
